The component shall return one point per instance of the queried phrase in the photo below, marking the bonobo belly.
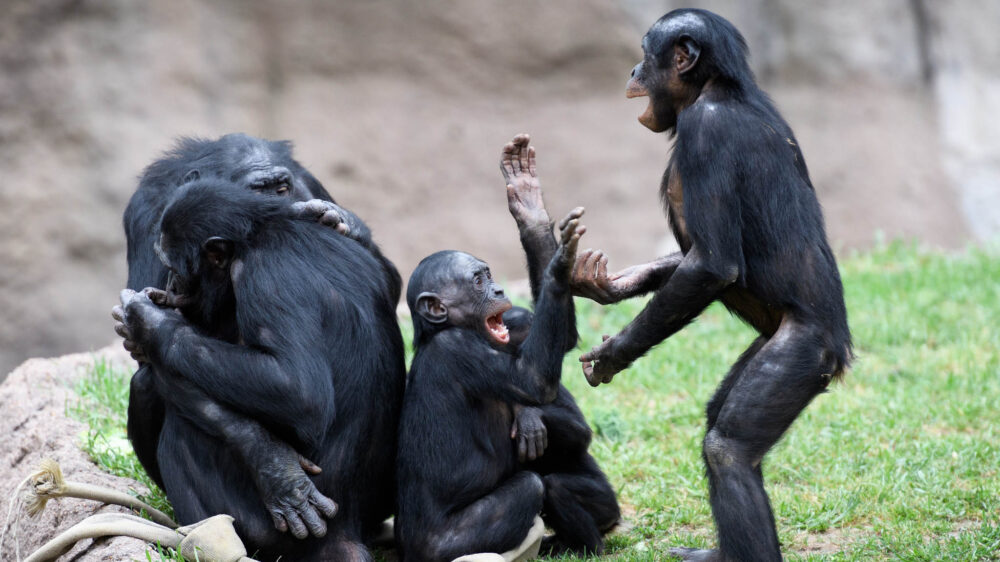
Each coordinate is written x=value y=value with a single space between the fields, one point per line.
x=763 y=317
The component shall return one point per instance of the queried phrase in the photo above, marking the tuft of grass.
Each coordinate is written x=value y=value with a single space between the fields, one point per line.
x=899 y=461
x=102 y=404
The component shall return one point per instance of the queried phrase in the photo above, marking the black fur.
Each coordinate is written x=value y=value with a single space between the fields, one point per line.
x=461 y=487
x=298 y=335
x=751 y=232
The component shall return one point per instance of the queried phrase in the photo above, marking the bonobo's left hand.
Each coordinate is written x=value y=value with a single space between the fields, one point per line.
x=138 y=316
x=599 y=364
x=291 y=498
x=530 y=431
x=326 y=213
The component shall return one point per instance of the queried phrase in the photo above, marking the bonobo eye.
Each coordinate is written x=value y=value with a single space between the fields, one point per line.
x=282 y=188
x=478 y=280
x=489 y=275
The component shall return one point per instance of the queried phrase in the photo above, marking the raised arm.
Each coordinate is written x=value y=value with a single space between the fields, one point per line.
x=540 y=356
x=534 y=226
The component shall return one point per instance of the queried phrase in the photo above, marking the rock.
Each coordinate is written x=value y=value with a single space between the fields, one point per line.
x=33 y=402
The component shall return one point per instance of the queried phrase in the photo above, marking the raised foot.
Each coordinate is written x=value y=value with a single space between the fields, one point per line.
x=696 y=554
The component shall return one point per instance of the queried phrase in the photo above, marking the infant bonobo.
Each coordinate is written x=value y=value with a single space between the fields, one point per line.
x=462 y=488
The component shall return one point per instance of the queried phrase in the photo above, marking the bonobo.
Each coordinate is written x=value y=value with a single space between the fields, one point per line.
x=751 y=233
x=290 y=324
x=460 y=487
x=265 y=168
x=580 y=505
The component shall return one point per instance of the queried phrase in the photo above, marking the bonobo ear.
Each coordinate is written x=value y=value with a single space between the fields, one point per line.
x=218 y=251
x=190 y=177
x=687 y=51
x=430 y=307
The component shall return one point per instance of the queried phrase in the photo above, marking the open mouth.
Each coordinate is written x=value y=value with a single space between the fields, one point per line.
x=635 y=90
x=496 y=328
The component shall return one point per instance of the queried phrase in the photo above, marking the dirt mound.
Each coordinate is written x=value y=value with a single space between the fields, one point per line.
x=34 y=425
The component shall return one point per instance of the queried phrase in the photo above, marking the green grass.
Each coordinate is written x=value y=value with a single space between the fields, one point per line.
x=899 y=461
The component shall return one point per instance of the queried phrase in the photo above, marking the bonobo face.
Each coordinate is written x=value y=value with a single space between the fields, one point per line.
x=668 y=55
x=467 y=297
x=258 y=167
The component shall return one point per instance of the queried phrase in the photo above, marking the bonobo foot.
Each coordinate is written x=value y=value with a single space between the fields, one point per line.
x=697 y=554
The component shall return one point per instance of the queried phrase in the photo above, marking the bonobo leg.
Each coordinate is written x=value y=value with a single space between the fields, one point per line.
x=580 y=507
x=145 y=420
x=761 y=402
x=494 y=523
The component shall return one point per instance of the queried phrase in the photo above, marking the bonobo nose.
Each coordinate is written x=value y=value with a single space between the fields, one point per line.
x=498 y=292
x=634 y=70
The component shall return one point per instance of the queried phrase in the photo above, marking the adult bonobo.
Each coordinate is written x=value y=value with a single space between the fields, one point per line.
x=751 y=233
x=268 y=169
x=285 y=322
x=461 y=490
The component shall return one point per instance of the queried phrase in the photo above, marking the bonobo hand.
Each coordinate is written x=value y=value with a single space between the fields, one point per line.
x=531 y=434
x=590 y=278
x=524 y=191
x=599 y=364
x=289 y=495
x=570 y=231
x=137 y=316
x=326 y=213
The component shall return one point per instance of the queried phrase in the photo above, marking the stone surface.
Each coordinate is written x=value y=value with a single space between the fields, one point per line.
x=33 y=402
x=400 y=109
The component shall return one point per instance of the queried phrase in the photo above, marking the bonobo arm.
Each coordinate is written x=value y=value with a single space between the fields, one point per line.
x=690 y=290
x=347 y=223
x=278 y=470
x=567 y=428
x=704 y=159
x=591 y=280
x=540 y=356
x=293 y=390
x=526 y=205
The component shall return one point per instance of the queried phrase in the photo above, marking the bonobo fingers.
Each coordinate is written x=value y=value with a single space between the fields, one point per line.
x=295 y=524
x=574 y=214
x=325 y=505
x=309 y=466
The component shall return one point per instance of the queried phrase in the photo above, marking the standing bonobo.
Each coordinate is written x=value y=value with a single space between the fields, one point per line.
x=751 y=233
x=460 y=487
x=288 y=324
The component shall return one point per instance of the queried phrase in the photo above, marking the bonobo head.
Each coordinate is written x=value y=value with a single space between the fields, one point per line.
x=452 y=288
x=205 y=227
x=682 y=52
x=257 y=164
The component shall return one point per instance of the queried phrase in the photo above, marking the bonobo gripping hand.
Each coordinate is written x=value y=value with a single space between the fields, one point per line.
x=570 y=231
x=530 y=431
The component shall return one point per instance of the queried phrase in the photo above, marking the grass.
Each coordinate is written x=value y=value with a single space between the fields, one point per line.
x=899 y=461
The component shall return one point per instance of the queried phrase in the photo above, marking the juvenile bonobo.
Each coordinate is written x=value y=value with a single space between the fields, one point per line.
x=751 y=233
x=580 y=505
x=265 y=168
x=460 y=487
x=289 y=324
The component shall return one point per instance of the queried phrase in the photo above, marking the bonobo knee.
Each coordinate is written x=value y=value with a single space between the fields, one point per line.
x=534 y=485
x=720 y=452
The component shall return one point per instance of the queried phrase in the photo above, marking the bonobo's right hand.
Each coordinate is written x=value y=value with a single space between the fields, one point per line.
x=570 y=231
x=591 y=280
x=326 y=213
x=138 y=315
x=291 y=498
